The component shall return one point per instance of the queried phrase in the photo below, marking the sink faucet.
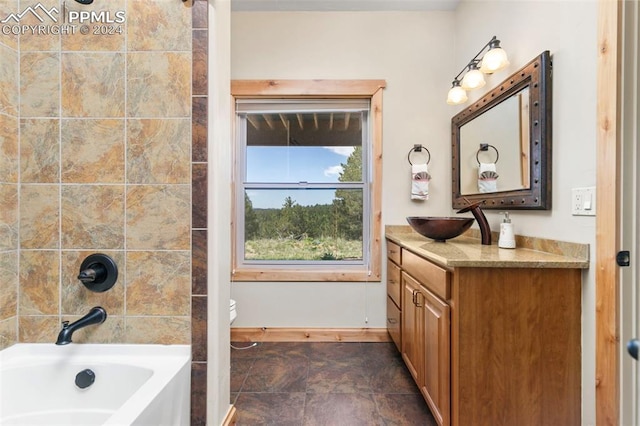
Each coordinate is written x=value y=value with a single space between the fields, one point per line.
x=96 y=315
x=485 y=230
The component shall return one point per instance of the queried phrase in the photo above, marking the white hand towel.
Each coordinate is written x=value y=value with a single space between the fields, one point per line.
x=487 y=177
x=420 y=182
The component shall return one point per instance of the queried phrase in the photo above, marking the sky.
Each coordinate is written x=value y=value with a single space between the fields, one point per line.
x=294 y=164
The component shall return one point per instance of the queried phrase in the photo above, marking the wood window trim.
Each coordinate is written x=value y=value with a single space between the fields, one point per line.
x=291 y=89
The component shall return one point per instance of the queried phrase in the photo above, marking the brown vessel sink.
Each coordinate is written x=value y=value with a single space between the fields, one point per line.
x=440 y=228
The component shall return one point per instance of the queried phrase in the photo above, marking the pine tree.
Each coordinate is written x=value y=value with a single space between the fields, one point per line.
x=348 y=202
x=251 y=225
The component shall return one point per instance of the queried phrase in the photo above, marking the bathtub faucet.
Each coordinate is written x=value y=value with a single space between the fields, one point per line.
x=96 y=315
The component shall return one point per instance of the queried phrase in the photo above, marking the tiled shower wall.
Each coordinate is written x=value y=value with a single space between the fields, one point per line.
x=99 y=153
x=9 y=71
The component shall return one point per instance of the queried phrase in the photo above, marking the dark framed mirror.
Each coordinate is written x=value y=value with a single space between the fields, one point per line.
x=501 y=145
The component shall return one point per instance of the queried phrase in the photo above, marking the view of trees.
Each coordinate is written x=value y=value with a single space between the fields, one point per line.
x=341 y=220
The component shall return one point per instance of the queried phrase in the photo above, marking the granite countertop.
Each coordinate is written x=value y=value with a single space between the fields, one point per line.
x=466 y=251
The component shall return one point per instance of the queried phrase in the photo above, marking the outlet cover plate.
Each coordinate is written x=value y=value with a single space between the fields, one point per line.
x=583 y=201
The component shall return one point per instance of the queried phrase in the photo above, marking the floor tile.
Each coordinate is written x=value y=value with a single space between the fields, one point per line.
x=329 y=384
x=338 y=377
x=404 y=410
x=272 y=408
x=277 y=374
x=336 y=409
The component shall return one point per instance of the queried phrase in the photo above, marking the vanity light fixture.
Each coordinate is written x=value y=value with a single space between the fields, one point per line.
x=493 y=60
x=457 y=95
x=473 y=79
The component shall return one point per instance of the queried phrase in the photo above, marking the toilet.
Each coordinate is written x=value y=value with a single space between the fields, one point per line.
x=233 y=312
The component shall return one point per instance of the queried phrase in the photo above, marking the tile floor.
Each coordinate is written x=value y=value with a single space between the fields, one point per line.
x=329 y=384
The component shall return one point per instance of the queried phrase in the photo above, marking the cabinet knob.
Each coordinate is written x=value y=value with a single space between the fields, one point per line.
x=392 y=320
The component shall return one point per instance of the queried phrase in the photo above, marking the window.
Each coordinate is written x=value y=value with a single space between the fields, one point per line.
x=307 y=180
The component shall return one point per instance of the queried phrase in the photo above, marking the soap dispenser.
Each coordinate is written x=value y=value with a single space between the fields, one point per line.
x=507 y=239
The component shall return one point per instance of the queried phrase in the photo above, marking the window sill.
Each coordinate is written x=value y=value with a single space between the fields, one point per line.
x=308 y=275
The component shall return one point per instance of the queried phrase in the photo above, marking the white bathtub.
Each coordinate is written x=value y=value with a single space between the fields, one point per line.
x=134 y=385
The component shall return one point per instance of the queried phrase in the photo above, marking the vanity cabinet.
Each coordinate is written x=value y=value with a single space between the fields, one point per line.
x=426 y=340
x=491 y=345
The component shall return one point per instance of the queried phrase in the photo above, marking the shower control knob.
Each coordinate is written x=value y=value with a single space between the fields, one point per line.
x=98 y=272
x=85 y=378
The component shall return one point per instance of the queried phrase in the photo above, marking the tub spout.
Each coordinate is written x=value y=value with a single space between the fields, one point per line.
x=485 y=230
x=96 y=315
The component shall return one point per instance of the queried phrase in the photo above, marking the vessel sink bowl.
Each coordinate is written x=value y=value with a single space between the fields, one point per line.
x=440 y=228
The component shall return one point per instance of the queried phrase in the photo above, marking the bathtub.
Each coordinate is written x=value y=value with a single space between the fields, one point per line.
x=133 y=385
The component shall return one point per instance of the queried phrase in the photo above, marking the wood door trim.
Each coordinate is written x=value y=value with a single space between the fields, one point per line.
x=608 y=149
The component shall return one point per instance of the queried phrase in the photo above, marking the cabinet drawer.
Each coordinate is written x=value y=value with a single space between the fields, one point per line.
x=393 y=252
x=393 y=282
x=428 y=274
x=393 y=323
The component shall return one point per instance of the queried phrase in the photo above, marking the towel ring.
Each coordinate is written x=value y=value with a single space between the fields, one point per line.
x=485 y=147
x=418 y=148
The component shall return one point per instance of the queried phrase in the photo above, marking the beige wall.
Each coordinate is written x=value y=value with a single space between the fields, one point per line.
x=103 y=164
x=568 y=30
x=219 y=262
x=412 y=52
x=419 y=53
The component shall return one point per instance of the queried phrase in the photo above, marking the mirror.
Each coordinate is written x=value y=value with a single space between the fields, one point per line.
x=501 y=144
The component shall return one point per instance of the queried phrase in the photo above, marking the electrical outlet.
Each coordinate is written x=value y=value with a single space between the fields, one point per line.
x=583 y=201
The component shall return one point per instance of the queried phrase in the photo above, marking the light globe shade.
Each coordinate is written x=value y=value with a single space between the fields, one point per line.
x=494 y=60
x=457 y=95
x=474 y=79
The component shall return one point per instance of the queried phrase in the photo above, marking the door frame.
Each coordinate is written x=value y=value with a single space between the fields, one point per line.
x=608 y=188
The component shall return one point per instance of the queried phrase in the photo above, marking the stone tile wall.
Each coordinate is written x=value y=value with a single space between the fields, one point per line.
x=97 y=152
x=9 y=131
x=199 y=158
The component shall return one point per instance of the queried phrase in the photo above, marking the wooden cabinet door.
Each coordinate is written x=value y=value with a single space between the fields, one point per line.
x=436 y=382
x=412 y=329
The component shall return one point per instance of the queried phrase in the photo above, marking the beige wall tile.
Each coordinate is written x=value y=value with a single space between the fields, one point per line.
x=77 y=299
x=92 y=216
x=39 y=216
x=93 y=151
x=92 y=84
x=159 y=84
x=73 y=88
x=158 y=25
x=8 y=216
x=31 y=41
x=9 y=287
x=39 y=282
x=8 y=149
x=159 y=283
x=158 y=217
x=8 y=81
x=159 y=151
x=160 y=330
x=39 y=84
x=101 y=37
x=38 y=329
x=7 y=7
x=40 y=150
x=8 y=332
